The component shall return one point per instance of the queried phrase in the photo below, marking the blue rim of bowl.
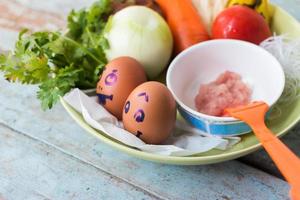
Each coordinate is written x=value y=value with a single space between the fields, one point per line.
x=222 y=129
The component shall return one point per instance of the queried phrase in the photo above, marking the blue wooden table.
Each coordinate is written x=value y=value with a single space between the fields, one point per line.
x=46 y=155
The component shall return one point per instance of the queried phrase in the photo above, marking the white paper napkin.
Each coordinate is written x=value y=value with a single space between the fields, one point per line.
x=184 y=141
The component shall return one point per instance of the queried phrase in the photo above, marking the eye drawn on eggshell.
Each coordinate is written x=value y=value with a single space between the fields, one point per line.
x=139 y=116
x=145 y=95
x=127 y=107
x=111 y=78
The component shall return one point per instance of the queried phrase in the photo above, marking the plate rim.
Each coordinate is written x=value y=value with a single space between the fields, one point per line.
x=176 y=160
x=187 y=160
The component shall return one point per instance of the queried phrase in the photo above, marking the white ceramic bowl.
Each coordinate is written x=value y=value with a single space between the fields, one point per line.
x=204 y=62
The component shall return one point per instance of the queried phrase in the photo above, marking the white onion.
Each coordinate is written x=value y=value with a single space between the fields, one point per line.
x=141 y=33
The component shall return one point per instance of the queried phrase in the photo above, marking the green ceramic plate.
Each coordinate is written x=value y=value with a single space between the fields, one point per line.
x=282 y=23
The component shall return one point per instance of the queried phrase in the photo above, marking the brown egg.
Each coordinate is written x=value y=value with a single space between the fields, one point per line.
x=150 y=112
x=118 y=79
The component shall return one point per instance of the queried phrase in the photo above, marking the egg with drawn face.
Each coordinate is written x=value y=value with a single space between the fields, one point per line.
x=150 y=112
x=118 y=79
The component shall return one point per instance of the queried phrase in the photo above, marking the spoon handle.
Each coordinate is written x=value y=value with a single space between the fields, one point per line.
x=286 y=161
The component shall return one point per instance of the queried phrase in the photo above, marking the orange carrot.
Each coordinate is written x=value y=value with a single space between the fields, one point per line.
x=185 y=23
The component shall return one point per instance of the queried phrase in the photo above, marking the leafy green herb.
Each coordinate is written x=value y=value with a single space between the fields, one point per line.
x=59 y=61
x=65 y=79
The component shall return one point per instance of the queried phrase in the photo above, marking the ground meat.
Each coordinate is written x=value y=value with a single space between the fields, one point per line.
x=228 y=91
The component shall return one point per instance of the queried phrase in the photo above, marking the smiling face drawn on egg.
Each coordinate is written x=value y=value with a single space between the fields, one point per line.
x=109 y=80
x=139 y=114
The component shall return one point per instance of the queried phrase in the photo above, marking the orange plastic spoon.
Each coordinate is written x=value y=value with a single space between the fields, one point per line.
x=286 y=161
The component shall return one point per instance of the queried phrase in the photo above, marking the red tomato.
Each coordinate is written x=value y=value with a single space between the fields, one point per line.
x=241 y=22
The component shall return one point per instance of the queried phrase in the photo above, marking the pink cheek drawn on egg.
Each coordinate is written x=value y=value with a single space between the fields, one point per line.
x=111 y=78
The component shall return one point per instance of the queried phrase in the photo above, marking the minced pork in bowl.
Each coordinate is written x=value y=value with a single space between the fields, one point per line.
x=204 y=62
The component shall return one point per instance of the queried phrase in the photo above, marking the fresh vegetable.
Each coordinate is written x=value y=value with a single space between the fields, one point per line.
x=208 y=10
x=260 y=6
x=186 y=25
x=57 y=61
x=241 y=22
x=143 y=34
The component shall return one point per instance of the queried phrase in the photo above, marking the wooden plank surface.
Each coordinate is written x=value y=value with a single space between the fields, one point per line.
x=231 y=180
x=73 y=159
x=56 y=10
x=31 y=169
x=35 y=15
